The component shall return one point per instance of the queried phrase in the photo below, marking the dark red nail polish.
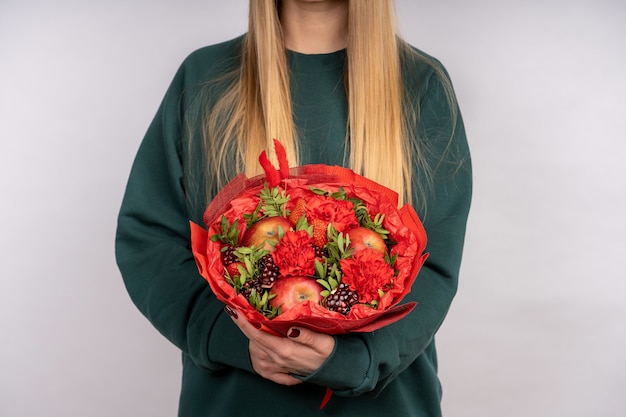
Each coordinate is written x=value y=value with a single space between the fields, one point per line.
x=231 y=312
x=293 y=333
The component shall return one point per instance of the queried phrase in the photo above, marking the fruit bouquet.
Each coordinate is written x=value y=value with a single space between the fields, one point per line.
x=315 y=246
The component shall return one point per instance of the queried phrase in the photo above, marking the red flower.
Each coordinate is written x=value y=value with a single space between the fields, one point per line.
x=366 y=272
x=294 y=254
x=338 y=212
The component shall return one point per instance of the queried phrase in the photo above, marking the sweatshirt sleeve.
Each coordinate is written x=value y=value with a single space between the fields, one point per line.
x=366 y=363
x=153 y=247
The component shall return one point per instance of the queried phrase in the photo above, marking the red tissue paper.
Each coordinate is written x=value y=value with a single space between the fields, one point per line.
x=315 y=246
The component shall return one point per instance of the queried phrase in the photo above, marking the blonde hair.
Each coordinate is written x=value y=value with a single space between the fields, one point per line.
x=379 y=146
x=257 y=106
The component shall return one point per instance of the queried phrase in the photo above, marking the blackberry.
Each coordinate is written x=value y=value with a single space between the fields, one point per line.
x=228 y=255
x=319 y=252
x=268 y=271
x=246 y=289
x=341 y=299
x=329 y=269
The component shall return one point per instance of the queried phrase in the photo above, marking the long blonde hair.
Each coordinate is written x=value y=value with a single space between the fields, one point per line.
x=257 y=106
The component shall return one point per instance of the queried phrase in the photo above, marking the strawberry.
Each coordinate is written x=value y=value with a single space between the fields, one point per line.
x=297 y=211
x=232 y=269
x=320 y=232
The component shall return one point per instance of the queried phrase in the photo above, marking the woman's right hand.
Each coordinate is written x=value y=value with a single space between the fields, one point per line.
x=278 y=358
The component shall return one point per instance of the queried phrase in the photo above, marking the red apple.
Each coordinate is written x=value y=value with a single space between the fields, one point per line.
x=265 y=231
x=291 y=291
x=362 y=238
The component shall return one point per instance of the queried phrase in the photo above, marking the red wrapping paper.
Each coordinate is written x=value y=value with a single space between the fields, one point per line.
x=240 y=196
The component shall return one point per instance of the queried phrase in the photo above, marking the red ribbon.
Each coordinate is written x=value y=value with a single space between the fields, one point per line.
x=326 y=398
x=272 y=174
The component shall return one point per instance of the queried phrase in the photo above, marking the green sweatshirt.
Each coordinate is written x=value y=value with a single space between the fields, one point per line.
x=389 y=372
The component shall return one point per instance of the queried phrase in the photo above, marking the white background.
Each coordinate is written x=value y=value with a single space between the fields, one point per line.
x=537 y=328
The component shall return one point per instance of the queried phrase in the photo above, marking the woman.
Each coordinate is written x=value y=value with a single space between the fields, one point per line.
x=333 y=82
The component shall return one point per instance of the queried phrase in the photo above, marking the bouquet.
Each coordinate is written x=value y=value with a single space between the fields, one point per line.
x=315 y=246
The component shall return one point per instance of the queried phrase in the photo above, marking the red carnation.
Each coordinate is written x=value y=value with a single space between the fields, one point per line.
x=294 y=254
x=338 y=212
x=366 y=272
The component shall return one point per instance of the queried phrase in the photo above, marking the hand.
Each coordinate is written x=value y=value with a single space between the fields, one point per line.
x=277 y=358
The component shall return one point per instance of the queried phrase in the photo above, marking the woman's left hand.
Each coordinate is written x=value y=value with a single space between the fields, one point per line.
x=277 y=358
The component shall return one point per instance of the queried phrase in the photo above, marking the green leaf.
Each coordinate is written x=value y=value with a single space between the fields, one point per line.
x=333 y=283
x=320 y=269
x=333 y=252
x=273 y=201
x=324 y=284
x=347 y=242
x=318 y=191
x=340 y=241
x=244 y=250
x=249 y=265
x=303 y=224
x=254 y=217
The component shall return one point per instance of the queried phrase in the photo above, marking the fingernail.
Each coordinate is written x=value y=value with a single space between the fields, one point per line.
x=293 y=333
x=231 y=312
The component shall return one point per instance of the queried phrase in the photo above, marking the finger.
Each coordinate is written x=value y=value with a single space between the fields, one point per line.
x=284 y=379
x=260 y=355
x=264 y=366
x=244 y=325
x=319 y=342
x=270 y=343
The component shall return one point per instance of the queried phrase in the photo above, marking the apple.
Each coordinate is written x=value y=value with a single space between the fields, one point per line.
x=291 y=291
x=363 y=238
x=265 y=231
